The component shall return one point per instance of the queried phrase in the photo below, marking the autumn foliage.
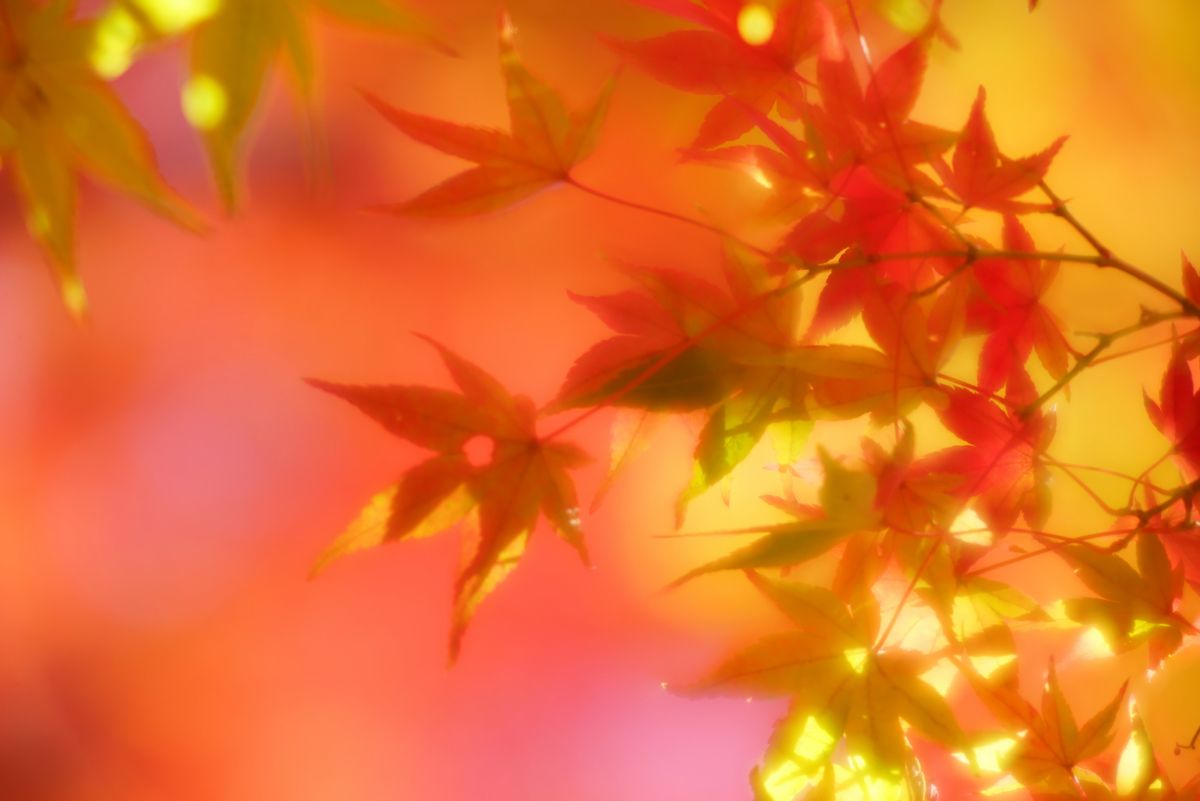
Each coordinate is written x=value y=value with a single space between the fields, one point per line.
x=892 y=284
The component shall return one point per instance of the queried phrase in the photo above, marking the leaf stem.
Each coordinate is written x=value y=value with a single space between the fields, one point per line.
x=756 y=301
x=571 y=180
x=1103 y=343
x=1048 y=549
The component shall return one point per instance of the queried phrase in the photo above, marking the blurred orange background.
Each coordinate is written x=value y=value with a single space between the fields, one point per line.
x=166 y=479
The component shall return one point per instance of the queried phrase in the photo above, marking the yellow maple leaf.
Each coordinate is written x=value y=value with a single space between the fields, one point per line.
x=233 y=45
x=58 y=119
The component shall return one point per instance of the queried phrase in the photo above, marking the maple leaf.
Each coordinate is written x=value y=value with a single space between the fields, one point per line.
x=233 y=45
x=57 y=120
x=1191 y=279
x=916 y=332
x=1001 y=467
x=523 y=478
x=1048 y=759
x=846 y=507
x=787 y=169
x=840 y=689
x=720 y=59
x=874 y=219
x=657 y=360
x=1010 y=309
x=546 y=142
x=870 y=127
x=1132 y=606
x=1174 y=527
x=1177 y=412
x=909 y=499
x=772 y=388
x=684 y=343
x=982 y=177
x=850 y=133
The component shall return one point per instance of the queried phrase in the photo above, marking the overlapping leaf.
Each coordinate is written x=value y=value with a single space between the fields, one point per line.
x=1000 y=467
x=1177 y=412
x=1049 y=758
x=233 y=46
x=59 y=120
x=1131 y=606
x=685 y=344
x=846 y=507
x=846 y=696
x=718 y=60
x=1011 y=310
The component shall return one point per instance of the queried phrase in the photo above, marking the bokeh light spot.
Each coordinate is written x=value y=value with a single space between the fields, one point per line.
x=115 y=41
x=479 y=450
x=175 y=16
x=204 y=102
x=756 y=24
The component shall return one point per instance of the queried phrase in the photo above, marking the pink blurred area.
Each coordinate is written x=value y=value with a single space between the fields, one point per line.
x=166 y=479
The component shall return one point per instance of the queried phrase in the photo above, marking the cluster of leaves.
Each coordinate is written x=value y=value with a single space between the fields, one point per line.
x=60 y=117
x=879 y=216
x=877 y=219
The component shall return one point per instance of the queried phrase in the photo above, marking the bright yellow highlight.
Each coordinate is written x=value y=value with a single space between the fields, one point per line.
x=793 y=776
x=760 y=177
x=987 y=665
x=969 y=527
x=910 y=16
x=856 y=658
x=862 y=786
x=785 y=783
x=1092 y=645
x=966 y=618
x=756 y=24
x=941 y=677
x=176 y=16
x=1141 y=626
x=204 y=102
x=1134 y=763
x=115 y=41
x=1008 y=784
x=74 y=297
x=814 y=742
x=989 y=757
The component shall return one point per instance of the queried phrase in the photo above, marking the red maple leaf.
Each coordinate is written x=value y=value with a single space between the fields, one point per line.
x=1010 y=309
x=1177 y=413
x=982 y=177
x=716 y=60
x=1000 y=468
x=523 y=477
x=871 y=127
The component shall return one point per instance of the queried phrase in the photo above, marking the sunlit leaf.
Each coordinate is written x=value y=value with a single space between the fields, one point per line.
x=58 y=120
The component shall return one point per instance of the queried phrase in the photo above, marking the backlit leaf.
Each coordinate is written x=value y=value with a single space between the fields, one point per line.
x=524 y=478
